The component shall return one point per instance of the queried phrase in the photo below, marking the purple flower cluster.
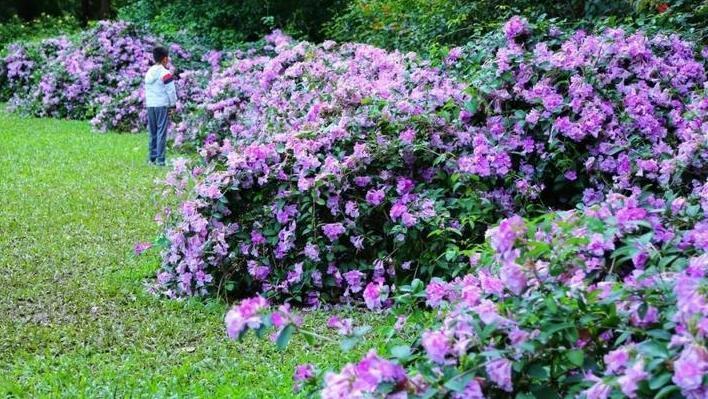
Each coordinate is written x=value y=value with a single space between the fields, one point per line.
x=362 y=379
x=344 y=157
x=97 y=76
x=516 y=27
x=661 y=311
x=337 y=172
x=297 y=123
x=254 y=314
x=247 y=314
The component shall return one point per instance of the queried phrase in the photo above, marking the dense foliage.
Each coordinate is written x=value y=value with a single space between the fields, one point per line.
x=422 y=26
x=606 y=300
x=226 y=23
x=406 y=25
x=44 y=26
x=587 y=304
x=324 y=168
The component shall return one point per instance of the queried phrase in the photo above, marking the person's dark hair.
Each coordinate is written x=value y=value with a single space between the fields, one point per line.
x=159 y=53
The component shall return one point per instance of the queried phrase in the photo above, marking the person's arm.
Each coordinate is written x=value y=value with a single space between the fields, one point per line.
x=168 y=80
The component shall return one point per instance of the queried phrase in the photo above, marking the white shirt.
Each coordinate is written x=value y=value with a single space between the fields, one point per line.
x=160 y=87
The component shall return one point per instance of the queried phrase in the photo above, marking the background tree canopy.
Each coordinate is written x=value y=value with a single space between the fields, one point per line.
x=407 y=25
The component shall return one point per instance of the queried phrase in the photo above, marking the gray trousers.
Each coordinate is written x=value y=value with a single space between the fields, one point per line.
x=157 y=125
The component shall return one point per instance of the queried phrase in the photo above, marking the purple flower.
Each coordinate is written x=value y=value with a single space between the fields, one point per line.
x=499 y=372
x=487 y=312
x=627 y=215
x=677 y=205
x=295 y=275
x=312 y=251
x=472 y=391
x=354 y=279
x=616 y=360
x=333 y=230
x=516 y=27
x=362 y=379
x=259 y=272
x=453 y=55
x=357 y=241
x=513 y=278
x=303 y=372
x=599 y=390
x=257 y=238
x=503 y=237
x=141 y=247
x=629 y=382
x=404 y=186
x=351 y=209
x=407 y=136
x=397 y=210
x=375 y=197
x=435 y=292
x=490 y=284
x=344 y=327
x=374 y=294
x=333 y=322
x=690 y=369
x=436 y=346
x=244 y=315
x=362 y=181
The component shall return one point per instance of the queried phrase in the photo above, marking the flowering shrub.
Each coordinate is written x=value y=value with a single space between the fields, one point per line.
x=326 y=153
x=98 y=75
x=607 y=299
x=618 y=308
x=610 y=301
x=331 y=172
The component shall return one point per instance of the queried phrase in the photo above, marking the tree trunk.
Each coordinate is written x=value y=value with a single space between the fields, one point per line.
x=85 y=11
x=104 y=11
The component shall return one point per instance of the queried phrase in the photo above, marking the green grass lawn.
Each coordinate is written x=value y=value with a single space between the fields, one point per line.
x=75 y=320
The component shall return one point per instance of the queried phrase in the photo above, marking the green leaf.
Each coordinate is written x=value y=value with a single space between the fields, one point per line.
x=429 y=393
x=661 y=334
x=538 y=371
x=654 y=349
x=545 y=393
x=459 y=382
x=361 y=331
x=285 y=336
x=549 y=329
x=576 y=356
x=311 y=339
x=659 y=381
x=401 y=352
x=666 y=391
x=348 y=343
x=551 y=305
x=385 y=388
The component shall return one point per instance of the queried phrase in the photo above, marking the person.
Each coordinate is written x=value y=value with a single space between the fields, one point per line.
x=160 y=98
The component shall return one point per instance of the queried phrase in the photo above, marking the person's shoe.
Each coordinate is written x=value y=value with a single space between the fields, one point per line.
x=151 y=162
x=159 y=163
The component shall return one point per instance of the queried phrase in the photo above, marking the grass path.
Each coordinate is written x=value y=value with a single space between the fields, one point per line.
x=75 y=320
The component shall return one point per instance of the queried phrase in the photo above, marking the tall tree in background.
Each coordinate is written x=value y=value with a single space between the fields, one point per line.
x=95 y=9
